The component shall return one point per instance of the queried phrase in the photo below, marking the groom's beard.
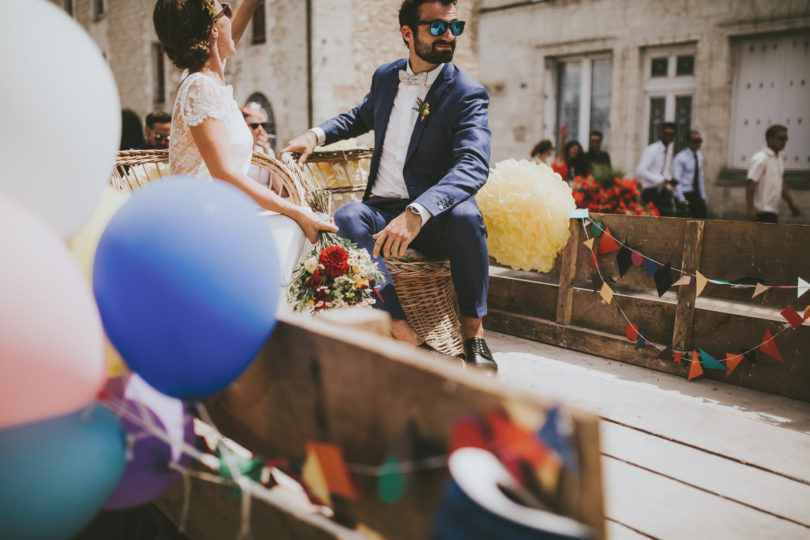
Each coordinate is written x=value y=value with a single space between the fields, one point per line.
x=430 y=54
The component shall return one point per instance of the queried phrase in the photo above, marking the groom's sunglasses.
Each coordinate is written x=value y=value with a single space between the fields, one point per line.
x=439 y=27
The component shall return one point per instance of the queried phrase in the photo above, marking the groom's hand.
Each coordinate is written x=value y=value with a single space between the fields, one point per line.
x=393 y=241
x=304 y=144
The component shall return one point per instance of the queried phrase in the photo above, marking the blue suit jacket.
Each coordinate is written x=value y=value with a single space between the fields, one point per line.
x=448 y=157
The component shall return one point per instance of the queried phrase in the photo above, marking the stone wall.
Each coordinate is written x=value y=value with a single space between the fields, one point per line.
x=516 y=42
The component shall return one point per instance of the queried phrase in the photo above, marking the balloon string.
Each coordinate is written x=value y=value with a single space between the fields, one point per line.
x=119 y=409
x=182 y=524
x=245 y=485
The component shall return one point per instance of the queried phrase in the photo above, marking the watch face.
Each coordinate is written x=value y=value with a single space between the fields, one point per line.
x=414 y=210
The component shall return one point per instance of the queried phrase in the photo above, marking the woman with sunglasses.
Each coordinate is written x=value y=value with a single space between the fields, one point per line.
x=209 y=135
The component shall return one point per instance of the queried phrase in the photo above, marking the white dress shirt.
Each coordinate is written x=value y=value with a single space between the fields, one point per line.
x=390 y=181
x=655 y=165
x=683 y=170
x=766 y=169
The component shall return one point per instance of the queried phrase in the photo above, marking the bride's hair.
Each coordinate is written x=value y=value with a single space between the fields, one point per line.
x=184 y=30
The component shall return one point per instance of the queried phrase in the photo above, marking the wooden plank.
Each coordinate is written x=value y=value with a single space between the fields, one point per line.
x=768 y=432
x=360 y=391
x=522 y=296
x=750 y=486
x=776 y=253
x=214 y=513
x=685 y=313
x=568 y=270
x=599 y=328
x=665 y=508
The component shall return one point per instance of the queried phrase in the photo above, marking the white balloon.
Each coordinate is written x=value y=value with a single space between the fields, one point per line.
x=60 y=114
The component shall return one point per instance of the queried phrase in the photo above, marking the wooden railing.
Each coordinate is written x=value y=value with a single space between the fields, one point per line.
x=562 y=308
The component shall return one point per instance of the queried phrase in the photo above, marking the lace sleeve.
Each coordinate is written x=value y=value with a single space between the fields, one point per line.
x=203 y=99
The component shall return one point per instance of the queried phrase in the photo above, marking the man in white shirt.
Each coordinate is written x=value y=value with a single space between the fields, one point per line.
x=431 y=156
x=654 y=171
x=687 y=170
x=766 y=184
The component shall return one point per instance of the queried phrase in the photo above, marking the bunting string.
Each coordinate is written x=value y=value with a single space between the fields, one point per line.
x=598 y=225
x=608 y=295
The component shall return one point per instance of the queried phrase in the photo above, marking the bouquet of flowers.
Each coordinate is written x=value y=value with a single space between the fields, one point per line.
x=612 y=196
x=336 y=273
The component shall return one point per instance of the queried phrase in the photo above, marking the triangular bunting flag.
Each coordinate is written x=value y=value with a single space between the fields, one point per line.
x=392 y=481
x=607 y=244
x=606 y=293
x=313 y=477
x=663 y=279
x=650 y=266
x=685 y=280
x=719 y=281
x=760 y=288
x=769 y=347
x=624 y=259
x=631 y=331
x=641 y=343
x=558 y=438
x=694 y=369
x=468 y=433
x=588 y=243
x=792 y=317
x=806 y=313
x=665 y=355
x=701 y=283
x=732 y=361
x=802 y=287
x=511 y=441
x=597 y=228
x=677 y=357
x=637 y=258
x=333 y=468
x=709 y=362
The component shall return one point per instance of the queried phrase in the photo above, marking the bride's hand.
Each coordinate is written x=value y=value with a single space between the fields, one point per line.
x=311 y=224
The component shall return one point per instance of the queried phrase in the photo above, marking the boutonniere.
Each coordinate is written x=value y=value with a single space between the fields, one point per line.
x=423 y=108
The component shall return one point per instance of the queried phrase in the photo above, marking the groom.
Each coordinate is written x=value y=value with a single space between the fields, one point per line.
x=431 y=156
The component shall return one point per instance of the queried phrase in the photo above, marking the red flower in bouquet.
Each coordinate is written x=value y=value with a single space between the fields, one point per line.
x=335 y=260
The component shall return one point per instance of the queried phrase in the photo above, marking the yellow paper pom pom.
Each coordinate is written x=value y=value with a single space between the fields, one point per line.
x=526 y=208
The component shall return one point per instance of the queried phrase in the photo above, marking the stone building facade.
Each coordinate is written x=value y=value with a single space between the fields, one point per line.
x=726 y=67
x=307 y=59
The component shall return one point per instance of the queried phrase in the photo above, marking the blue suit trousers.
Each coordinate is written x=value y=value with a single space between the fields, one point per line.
x=458 y=234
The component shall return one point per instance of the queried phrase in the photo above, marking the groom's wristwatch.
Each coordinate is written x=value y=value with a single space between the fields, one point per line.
x=414 y=210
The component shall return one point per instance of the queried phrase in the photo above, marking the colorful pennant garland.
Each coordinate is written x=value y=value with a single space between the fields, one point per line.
x=662 y=275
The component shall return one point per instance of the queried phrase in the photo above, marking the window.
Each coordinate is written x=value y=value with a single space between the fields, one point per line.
x=158 y=77
x=669 y=87
x=771 y=86
x=259 y=26
x=583 y=95
x=68 y=5
x=98 y=8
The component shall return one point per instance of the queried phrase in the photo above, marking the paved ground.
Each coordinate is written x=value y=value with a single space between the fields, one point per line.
x=681 y=459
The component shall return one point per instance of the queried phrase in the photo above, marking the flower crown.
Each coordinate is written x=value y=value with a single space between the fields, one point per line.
x=209 y=7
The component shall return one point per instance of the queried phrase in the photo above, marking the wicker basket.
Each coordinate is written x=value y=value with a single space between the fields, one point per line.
x=428 y=299
x=136 y=168
x=342 y=173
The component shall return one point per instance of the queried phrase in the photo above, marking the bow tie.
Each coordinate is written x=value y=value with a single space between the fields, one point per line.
x=418 y=79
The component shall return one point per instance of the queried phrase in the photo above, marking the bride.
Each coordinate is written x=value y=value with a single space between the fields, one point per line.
x=209 y=135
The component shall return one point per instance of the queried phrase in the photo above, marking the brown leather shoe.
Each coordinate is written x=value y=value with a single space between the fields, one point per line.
x=477 y=355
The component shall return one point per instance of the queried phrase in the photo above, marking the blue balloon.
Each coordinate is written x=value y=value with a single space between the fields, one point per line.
x=57 y=473
x=187 y=282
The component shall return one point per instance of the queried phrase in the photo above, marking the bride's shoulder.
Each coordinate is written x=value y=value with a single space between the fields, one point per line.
x=199 y=97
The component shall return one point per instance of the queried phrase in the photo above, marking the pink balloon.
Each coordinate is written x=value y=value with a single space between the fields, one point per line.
x=51 y=341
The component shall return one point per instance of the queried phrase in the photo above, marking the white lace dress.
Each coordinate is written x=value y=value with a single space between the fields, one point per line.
x=200 y=97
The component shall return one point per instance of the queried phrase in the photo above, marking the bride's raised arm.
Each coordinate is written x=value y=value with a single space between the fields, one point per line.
x=241 y=17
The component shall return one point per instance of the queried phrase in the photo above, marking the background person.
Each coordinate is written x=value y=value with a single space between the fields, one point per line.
x=543 y=152
x=687 y=170
x=654 y=171
x=596 y=155
x=157 y=130
x=766 y=184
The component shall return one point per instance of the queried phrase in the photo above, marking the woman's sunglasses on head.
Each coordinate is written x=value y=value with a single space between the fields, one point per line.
x=226 y=11
x=439 y=27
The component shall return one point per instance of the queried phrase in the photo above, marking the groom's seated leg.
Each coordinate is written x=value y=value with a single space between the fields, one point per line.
x=359 y=222
x=459 y=234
